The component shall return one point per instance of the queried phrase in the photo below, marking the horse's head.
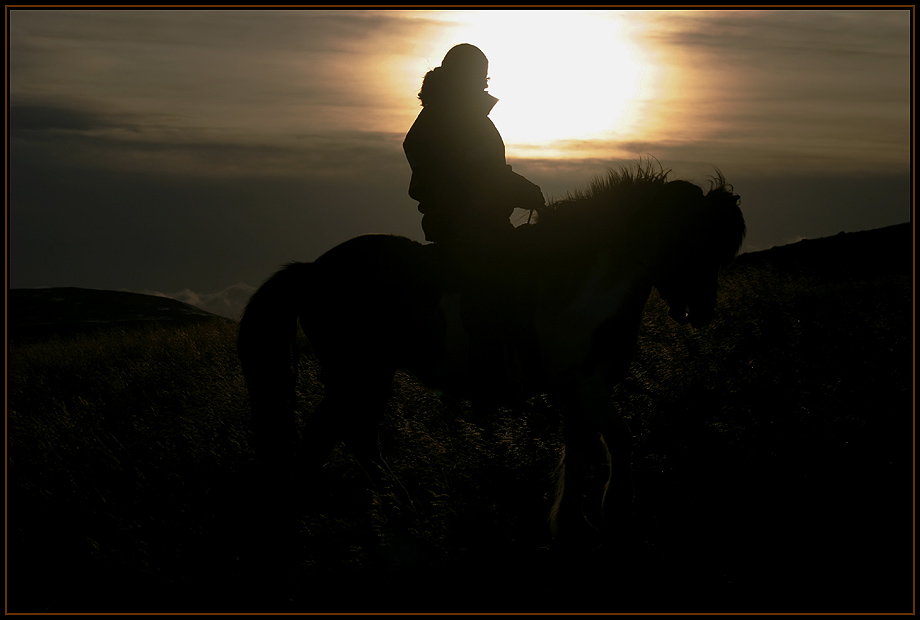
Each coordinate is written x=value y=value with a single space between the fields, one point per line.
x=700 y=234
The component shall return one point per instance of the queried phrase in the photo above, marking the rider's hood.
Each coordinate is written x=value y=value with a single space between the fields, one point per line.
x=488 y=102
x=474 y=103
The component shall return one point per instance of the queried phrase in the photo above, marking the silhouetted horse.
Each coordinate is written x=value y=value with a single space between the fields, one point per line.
x=583 y=273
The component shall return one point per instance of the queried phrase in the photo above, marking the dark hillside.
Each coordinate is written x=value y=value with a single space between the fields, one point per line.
x=884 y=251
x=772 y=459
x=45 y=312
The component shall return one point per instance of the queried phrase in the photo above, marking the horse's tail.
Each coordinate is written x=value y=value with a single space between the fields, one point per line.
x=268 y=355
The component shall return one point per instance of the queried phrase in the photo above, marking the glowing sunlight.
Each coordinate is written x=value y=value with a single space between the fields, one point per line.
x=559 y=75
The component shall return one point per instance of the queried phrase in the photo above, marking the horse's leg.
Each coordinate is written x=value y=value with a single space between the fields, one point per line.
x=618 y=492
x=364 y=444
x=322 y=431
x=593 y=393
x=595 y=484
x=578 y=483
x=358 y=404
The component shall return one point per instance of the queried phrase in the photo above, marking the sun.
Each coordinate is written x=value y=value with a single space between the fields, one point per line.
x=560 y=76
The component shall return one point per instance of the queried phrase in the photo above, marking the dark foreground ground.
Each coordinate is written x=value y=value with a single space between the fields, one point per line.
x=773 y=466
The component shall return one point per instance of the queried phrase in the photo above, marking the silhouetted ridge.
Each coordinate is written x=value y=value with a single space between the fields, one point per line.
x=67 y=311
x=883 y=251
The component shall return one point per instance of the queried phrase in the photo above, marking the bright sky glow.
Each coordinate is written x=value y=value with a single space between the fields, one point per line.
x=558 y=75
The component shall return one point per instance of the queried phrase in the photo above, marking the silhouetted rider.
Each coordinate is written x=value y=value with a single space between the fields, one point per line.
x=466 y=191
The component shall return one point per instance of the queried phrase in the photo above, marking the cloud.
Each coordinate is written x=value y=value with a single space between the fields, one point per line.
x=747 y=36
x=60 y=136
x=229 y=302
x=182 y=150
x=250 y=71
x=39 y=118
x=221 y=91
x=819 y=83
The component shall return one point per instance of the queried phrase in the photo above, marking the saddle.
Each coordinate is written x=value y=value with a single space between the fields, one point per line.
x=491 y=295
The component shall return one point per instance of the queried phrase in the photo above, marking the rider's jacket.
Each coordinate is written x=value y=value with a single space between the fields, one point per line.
x=464 y=187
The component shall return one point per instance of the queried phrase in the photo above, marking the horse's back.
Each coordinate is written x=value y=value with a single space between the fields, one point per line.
x=373 y=294
x=357 y=251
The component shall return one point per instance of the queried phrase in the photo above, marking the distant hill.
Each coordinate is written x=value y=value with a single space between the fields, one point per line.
x=45 y=312
x=884 y=250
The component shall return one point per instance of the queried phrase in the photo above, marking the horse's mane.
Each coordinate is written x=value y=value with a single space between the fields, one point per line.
x=614 y=212
x=626 y=188
x=628 y=207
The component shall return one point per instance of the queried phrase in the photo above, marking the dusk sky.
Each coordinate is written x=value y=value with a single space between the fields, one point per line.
x=191 y=153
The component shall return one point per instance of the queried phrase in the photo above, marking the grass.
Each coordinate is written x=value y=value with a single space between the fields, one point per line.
x=772 y=462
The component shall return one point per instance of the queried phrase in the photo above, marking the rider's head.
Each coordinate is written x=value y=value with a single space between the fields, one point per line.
x=463 y=72
x=467 y=65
